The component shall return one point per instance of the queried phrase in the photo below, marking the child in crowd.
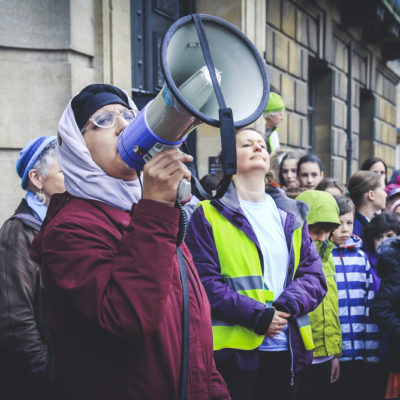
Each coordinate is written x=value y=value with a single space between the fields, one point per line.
x=310 y=171
x=393 y=199
x=332 y=186
x=360 y=350
x=385 y=309
x=322 y=219
x=377 y=165
x=288 y=171
x=367 y=190
x=381 y=227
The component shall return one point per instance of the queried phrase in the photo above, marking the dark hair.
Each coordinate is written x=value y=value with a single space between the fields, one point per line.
x=210 y=182
x=360 y=183
x=291 y=155
x=370 y=161
x=309 y=158
x=380 y=224
x=327 y=183
x=345 y=204
x=326 y=226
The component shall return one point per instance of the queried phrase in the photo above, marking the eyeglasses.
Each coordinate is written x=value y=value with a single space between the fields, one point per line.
x=107 y=119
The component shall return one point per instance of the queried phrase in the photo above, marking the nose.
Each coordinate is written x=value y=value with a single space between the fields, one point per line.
x=321 y=236
x=120 y=124
x=257 y=147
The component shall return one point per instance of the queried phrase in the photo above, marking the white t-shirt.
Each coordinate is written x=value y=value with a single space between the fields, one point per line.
x=266 y=222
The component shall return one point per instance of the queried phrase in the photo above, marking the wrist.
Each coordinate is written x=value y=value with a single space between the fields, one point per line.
x=264 y=321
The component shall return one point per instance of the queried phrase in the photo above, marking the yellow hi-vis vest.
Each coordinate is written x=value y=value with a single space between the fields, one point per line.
x=241 y=270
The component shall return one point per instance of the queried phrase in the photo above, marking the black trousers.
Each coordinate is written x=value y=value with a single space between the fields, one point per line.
x=275 y=380
x=360 y=381
x=315 y=382
x=272 y=380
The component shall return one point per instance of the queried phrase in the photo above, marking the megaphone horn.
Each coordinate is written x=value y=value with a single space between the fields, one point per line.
x=188 y=96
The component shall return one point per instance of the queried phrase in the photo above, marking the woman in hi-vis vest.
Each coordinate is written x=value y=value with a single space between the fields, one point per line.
x=262 y=275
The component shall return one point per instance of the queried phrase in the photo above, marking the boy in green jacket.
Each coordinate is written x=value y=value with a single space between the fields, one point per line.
x=322 y=219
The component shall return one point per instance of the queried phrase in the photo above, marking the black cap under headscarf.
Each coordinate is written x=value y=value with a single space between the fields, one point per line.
x=93 y=97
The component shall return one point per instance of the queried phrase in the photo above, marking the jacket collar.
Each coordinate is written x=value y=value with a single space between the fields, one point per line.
x=353 y=242
x=296 y=208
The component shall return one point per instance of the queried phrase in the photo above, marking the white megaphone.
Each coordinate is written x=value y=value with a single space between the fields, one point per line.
x=188 y=96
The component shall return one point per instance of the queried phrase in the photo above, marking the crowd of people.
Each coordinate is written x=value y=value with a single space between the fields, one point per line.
x=286 y=286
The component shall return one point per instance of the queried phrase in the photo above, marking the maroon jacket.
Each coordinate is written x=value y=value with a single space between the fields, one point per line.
x=114 y=300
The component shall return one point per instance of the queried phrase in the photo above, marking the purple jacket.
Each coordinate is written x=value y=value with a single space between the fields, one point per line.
x=299 y=297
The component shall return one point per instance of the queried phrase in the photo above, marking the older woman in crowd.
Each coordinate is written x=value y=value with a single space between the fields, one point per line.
x=111 y=270
x=24 y=356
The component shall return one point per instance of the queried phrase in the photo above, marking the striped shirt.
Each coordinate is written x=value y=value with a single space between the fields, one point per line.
x=355 y=291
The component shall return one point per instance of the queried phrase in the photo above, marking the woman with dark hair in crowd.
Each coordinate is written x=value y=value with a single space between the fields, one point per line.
x=310 y=171
x=288 y=170
x=367 y=190
x=332 y=186
x=377 y=165
x=118 y=287
x=261 y=272
x=24 y=355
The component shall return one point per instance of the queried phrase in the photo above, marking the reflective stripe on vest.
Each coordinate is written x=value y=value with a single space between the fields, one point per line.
x=241 y=270
x=303 y=321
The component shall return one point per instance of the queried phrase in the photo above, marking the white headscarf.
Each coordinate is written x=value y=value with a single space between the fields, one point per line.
x=82 y=176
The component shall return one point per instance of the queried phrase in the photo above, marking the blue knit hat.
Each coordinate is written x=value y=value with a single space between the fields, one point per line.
x=30 y=154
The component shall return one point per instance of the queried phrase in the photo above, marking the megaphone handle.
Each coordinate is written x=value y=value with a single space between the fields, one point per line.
x=184 y=191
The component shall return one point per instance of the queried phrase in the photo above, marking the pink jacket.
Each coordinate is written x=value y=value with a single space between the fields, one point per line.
x=114 y=301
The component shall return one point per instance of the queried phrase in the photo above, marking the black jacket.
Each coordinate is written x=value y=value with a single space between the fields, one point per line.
x=24 y=356
x=385 y=307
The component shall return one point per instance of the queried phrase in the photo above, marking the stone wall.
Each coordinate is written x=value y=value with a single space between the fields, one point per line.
x=307 y=54
x=49 y=50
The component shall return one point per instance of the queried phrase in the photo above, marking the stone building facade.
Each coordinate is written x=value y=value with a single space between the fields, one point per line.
x=50 y=49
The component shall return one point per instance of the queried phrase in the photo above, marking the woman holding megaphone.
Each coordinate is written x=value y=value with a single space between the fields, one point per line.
x=119 y=297
x=262 y=275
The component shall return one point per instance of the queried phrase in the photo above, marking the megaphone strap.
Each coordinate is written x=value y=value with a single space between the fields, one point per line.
x=227 y=127
x=208 y=59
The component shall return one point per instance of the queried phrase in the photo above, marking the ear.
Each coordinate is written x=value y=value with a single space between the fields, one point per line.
x=35 y=179
x=322 y=174
x=370 y=195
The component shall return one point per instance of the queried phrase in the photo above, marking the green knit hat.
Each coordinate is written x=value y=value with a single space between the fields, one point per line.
x=275 y=103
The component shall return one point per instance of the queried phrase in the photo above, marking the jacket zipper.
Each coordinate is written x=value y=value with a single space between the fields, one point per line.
x=289 y=334
x=324 y=246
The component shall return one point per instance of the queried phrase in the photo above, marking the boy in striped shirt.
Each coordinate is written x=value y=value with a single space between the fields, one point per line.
x=360 y=350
